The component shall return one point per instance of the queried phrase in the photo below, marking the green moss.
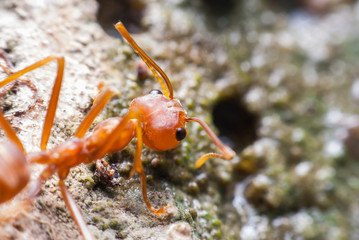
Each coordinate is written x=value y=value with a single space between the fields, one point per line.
x=105 y=226
x=193 y=213
x=96 y=219
x=216 y=223
x=115 y=224
x=217 y=234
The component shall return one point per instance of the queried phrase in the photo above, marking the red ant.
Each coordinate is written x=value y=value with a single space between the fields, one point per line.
x=156 y=119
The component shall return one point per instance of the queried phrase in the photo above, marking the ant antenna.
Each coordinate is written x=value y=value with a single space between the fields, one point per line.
x=227 y=153
x=167 y=88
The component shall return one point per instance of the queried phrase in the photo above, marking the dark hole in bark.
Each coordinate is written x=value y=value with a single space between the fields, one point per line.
x=219 y=8
x=237 y=126
x=130 y=12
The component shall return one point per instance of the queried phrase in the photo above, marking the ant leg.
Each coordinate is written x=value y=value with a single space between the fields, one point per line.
x=50 y=115
x=227 y=152
x=99 y=103
x=6 y=58
x=6 y=69
x=74 y=211
x=45 y=174
x=10 y=133
x=139 y=169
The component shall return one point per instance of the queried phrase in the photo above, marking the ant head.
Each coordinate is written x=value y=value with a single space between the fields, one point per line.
x=163 y=120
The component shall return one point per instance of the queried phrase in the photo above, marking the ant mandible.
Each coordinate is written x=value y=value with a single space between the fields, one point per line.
x=156 y=119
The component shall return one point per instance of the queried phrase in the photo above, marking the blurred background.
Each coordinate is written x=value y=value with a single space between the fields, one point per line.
x=286 y=80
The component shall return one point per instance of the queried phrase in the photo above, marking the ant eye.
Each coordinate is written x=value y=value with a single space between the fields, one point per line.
x=155 y=91
x=181 y=134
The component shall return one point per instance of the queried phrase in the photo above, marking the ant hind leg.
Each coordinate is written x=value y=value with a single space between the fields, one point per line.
x=74 y=211
x=50 y=115
x=45 y=174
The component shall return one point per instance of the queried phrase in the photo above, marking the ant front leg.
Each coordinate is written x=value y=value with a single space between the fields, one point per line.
x=137 y=167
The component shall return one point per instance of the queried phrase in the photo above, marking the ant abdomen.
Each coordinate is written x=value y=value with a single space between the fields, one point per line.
x=14 y=171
